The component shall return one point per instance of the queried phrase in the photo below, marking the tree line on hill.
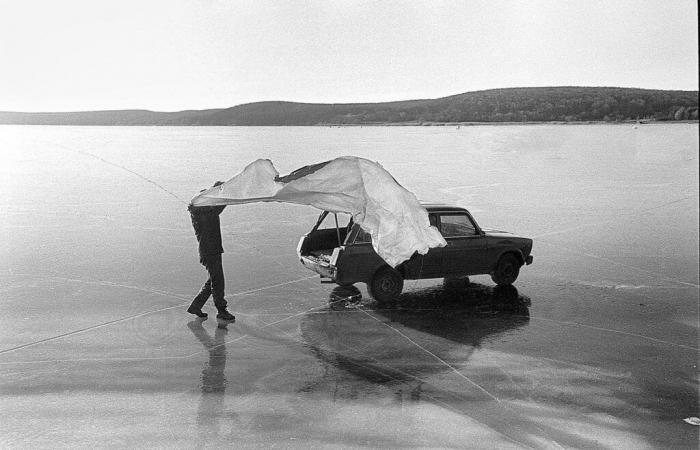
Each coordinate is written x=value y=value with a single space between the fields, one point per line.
x=538 y=104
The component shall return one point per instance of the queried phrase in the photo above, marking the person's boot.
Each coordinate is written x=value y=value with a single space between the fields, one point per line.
x=197 y=312
x=225 y=315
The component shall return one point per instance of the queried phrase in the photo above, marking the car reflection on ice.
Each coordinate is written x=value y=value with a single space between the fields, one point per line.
x=376 y=347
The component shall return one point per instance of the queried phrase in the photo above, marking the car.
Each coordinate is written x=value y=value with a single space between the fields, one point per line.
x=341 y=252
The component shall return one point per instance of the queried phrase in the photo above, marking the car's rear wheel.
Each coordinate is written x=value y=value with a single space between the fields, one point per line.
x=507 y=270
x=386 y=285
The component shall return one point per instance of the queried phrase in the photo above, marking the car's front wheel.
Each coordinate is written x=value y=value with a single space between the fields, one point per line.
x=507 y=270
x=386 y=285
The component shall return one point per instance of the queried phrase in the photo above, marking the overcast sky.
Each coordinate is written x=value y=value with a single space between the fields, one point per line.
x=176 y=54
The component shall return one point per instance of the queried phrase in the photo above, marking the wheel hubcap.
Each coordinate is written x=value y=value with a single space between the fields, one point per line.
x=508 y=270
x=387 y=285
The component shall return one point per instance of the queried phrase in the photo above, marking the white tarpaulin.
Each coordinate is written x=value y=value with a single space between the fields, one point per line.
x=392 y=215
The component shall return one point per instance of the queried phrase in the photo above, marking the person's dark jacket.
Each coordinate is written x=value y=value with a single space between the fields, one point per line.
x=207 y=228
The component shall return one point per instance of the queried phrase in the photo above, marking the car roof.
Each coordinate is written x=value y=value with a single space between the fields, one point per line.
x=441 y=207
x=435 y=207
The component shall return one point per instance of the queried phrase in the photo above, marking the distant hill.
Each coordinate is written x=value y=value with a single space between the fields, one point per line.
x=537 y=104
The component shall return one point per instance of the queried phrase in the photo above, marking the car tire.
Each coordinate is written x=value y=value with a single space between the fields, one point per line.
x=507 y=270
x=386 y=285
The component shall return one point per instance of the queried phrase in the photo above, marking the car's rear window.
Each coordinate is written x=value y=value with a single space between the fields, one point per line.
x=330 y=221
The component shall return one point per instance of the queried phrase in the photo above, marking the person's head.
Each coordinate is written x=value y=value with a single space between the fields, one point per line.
x=216 y=183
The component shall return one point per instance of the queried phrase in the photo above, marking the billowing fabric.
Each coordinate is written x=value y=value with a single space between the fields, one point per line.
x=392 y=215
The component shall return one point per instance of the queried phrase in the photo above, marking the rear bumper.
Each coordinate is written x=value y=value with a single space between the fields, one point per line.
x=528 y=260
x=320 y=267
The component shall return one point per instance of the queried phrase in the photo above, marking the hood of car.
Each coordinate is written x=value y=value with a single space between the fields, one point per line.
x=523 y=243
x=494 y=232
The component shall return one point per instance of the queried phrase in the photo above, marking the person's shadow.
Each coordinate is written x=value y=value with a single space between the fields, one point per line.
x=213 y=380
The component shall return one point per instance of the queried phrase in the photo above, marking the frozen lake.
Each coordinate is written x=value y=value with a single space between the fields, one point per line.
x=598 y=346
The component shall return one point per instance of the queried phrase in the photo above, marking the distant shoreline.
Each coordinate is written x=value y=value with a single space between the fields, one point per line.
x=387 y=124
x=471 y=124
x=538 y=105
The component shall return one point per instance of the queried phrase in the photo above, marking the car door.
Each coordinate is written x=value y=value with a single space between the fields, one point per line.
x=465 y=253
x=431 y=262
x=424 y=266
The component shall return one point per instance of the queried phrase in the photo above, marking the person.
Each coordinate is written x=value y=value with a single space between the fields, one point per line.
x=207 y=229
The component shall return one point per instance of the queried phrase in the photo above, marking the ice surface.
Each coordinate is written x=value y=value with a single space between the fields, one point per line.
x=597 y=347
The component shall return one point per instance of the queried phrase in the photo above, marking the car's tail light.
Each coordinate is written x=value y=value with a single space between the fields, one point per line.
x=300 y=245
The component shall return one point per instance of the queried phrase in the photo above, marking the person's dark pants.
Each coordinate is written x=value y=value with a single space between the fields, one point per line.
x=215 y=284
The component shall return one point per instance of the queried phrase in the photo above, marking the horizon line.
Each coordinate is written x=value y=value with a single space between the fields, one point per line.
x=334 y=103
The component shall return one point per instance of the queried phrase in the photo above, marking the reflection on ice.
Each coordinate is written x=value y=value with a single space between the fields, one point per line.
x=211 y=403
x=341 y=294
x=378 y=346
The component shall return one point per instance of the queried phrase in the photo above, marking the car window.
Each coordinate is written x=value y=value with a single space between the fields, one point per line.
x=433 y=220
x=329 y=221
x=362 y=237
x=453 y=225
